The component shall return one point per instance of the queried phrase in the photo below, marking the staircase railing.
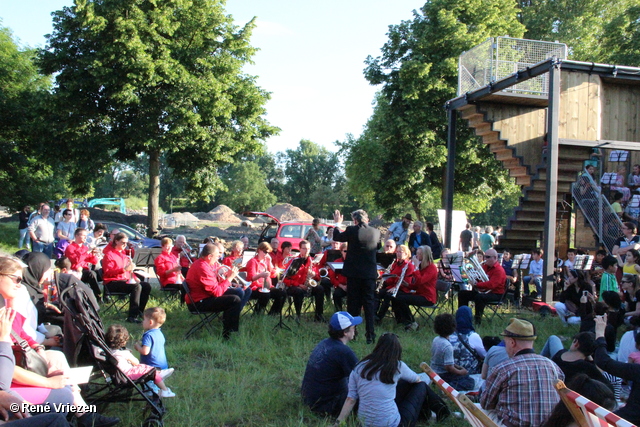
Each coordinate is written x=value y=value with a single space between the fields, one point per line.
x=604 y=222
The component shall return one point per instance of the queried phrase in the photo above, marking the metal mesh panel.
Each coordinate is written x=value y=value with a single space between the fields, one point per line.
x=500 y=57
x=596 y=208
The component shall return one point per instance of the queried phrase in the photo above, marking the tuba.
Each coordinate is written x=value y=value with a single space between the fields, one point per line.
x=475 y=272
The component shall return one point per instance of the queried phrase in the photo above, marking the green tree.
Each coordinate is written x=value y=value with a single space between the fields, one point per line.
x=308 y=168
x=247 y=189
x=401 y=155
x=26 y=175
x=621 y=40
x=581 y=24
x=157 y=78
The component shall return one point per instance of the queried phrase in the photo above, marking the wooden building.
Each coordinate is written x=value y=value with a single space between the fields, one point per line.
x=589 y=106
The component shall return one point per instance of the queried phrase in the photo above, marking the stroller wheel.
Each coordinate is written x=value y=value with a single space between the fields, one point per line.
x=152 y=422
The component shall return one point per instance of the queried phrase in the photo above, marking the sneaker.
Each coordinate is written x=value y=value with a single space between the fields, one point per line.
x=166 y=373
x=412 y=326
x=166 y=393
x=92 y=419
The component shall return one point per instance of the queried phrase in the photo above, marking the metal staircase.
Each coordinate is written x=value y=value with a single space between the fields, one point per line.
x=595 y=207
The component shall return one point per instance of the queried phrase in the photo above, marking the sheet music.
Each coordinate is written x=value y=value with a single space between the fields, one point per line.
x=609 y=178
x=338 y=265
x=618 y=156
x=583 y=262
x=521 y=261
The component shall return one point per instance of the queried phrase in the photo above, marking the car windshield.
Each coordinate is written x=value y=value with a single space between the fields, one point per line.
x=129 y=232
x=291 y=231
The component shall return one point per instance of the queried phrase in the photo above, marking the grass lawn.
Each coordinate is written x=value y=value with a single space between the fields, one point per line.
x=254 y=379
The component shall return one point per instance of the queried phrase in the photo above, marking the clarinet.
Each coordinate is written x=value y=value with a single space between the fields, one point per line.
x=400 y=280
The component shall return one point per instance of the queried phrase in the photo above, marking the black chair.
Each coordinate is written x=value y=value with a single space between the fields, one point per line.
x=169 y=294
x=495 y=306
x=116 y=300
x=205 y=317
x=427 y=311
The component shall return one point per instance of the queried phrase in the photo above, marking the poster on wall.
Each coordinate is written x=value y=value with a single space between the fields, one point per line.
x=458 y=224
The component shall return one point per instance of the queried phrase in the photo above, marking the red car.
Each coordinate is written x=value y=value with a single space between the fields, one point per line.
x=286 y=231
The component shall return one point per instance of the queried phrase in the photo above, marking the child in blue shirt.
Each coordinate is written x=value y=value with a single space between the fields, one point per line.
x=151 y=348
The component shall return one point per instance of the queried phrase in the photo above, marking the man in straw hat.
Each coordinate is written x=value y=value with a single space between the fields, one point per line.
x=520 y=391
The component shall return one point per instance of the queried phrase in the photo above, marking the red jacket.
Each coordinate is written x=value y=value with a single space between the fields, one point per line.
x=254 y=267
x=396 y=268
x=181 y=257
x=497 y=279
x=424 y=282
x=80 y=256
x=337 y=278
x=165 y=262
x=203 y=281
x=301 y=277
x=113 y=265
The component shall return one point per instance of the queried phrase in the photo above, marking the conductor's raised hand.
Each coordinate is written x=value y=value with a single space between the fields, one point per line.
x=337 y=217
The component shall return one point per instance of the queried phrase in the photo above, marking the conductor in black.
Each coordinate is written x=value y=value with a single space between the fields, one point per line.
x=360 y=265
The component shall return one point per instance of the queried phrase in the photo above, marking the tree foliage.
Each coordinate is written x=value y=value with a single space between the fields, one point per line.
x=401 y=155
x=581 y=24
x=138 y=76
x=26 y=178
x=247 y=189
x=307 y=169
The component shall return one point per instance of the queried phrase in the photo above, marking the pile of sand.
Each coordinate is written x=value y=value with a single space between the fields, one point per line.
x=183 y=217
x=288 y=212
x=220 y=213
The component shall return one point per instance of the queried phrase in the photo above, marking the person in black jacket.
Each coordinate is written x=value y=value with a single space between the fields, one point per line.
x=360 y=265
x=626 y=371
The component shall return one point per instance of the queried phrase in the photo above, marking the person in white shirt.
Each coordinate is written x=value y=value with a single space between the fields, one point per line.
x=535 y=272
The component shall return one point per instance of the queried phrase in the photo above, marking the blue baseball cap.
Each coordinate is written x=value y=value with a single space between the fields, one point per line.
x=342 y=320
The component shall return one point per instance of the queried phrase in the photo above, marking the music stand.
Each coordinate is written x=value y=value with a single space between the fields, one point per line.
x=618 y=156
x=521 y=261
x=609 y=178
x=385 y=260
x=634 y=202
x=583 y=262
x=333 y=254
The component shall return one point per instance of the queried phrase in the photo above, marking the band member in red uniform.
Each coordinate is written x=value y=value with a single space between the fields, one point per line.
x=80 y=257
x=211 y=293
x=300 y=273
x=117 y=272
x=168 y=269
x=402 y=263
x=491 y=290
x=339 y=281
x=421 y=291
x=182 y=252
x=237 y=248
x=259 y=272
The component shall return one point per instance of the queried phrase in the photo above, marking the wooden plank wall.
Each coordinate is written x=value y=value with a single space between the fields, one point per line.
x=523 y=128
x=580 y=106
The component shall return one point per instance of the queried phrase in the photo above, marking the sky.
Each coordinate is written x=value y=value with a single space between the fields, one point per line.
x=311 y=57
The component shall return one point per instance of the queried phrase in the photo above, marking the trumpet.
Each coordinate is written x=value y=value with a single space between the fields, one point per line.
x=240 y=281
x=187 y=251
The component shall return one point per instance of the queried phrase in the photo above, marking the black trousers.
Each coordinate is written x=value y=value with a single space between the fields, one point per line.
x=360 y=295
x=479 y=298
x=230 y=305
x=326 y=287
x=418 y=400
x=138 y=294
x=91 y=278
x=401 y=305
x=298 y=295
x=383 y=302
x=277 y=295
x=338 y=296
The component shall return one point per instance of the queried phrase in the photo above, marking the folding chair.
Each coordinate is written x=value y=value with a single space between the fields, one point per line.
x=115 y=300
x=495 y=306
x=169 y=294
x=205 y=317
x=427 y=311
x=472 y=413
x=585 y=412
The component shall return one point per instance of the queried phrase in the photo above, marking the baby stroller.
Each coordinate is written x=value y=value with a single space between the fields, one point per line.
x=85 y=344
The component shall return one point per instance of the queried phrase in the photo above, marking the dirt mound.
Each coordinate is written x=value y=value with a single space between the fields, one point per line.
x=212 y=231
x=288 y=212
x=220 y=213
x=98 y=215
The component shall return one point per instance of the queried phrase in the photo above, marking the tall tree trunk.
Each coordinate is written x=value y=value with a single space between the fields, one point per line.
x=418 y=210
x=154 y=192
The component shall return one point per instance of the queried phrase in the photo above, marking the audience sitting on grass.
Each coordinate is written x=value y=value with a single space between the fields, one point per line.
x=627 y=342
x=443 y=362
x=520 y=391
x=568 y=305
x=576 y=360
x=611 y=306
x=594 y=390
x=496 y=354
x=631 y=295
x=468 y=349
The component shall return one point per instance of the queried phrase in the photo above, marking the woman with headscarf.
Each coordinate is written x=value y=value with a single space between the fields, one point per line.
x=34 y=277
x=467 y=344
